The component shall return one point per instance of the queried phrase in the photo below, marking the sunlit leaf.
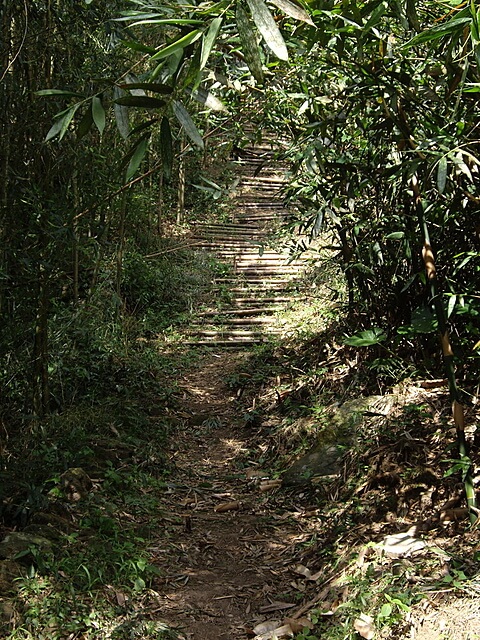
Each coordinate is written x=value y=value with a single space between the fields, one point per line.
x=208 y=100
x=181 y=43
x=209 y=40
x=366 y=338
x=438 y=31
x=140 y=101
x=293 y=10
x=250 y=47
x=452 y=301
x=266 y=25
x=167 y=147
x=60 y=126
x=98 y=113
x=396 y=235
x=187 y=123
x=59 y=92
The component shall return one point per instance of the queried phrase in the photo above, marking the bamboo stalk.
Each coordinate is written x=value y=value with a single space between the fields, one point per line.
x=447 y=351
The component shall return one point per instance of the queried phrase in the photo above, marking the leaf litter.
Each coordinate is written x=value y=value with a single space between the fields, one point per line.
x=248 y=553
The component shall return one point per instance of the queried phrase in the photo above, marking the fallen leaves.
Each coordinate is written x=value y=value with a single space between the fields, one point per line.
x=227 y=506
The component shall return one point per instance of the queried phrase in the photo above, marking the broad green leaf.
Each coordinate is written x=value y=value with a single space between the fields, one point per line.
x=366 y=338
x=293 y=10
x=149 y=86
x=423 y=320
x=167 y=148
x=208 y=99
x=85 y=124
x=136 y=158
x=250 y=47
x=141 y=101
x=187 y=123
x=98 y=113
x=442 y=174
x=181 y=43
x=60 y=126
x=121 y=113
x=266 y=25
x=59 y=92
x=209 y=40
x=396 y=235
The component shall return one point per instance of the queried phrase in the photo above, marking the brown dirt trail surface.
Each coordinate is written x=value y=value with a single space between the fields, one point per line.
x=227 y=566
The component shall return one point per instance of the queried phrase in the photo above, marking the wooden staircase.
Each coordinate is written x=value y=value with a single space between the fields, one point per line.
x=262 y=280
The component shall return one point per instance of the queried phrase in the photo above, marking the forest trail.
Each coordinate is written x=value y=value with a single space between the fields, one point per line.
x=262 y=276
x=229 y=567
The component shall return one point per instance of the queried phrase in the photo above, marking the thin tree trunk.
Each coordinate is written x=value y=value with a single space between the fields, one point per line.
x=160 y=205
x=181 y=183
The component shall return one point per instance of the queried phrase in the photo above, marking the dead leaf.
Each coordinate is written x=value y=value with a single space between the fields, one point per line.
x=265 y=627
x=276 y=606
x=299 y=625
x=253 y=473
x=364 y=626
x=227 y=506
x=270 y=485
x=303 y=571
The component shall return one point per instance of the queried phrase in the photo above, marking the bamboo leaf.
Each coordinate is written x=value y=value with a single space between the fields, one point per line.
x=396 y=235
x=452 y=301
x=137 y=158
x=438 y=32
x=140 y=101
x=121 y=113
x=85 y=124
x=293 y=10
x=208 y=100
x=442 y=174
x=137 y=46
x=98 y=113
x=173 y=22
x=209 y=40
x=266 y=25
x=59 y=92
x=250 y=47
x=167 y=147
x=60 y=126
x=181 y=43
x=149 y=86
x=187 y=123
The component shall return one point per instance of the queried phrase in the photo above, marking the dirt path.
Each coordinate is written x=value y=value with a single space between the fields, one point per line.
x=228 y=567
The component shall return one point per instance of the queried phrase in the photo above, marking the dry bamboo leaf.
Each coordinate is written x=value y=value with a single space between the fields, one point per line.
x=276 y=606
x=227 y=506
x=364 y=626
x=303 y=571
x=298 y=625
x=265 y=627
x=270 y=485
